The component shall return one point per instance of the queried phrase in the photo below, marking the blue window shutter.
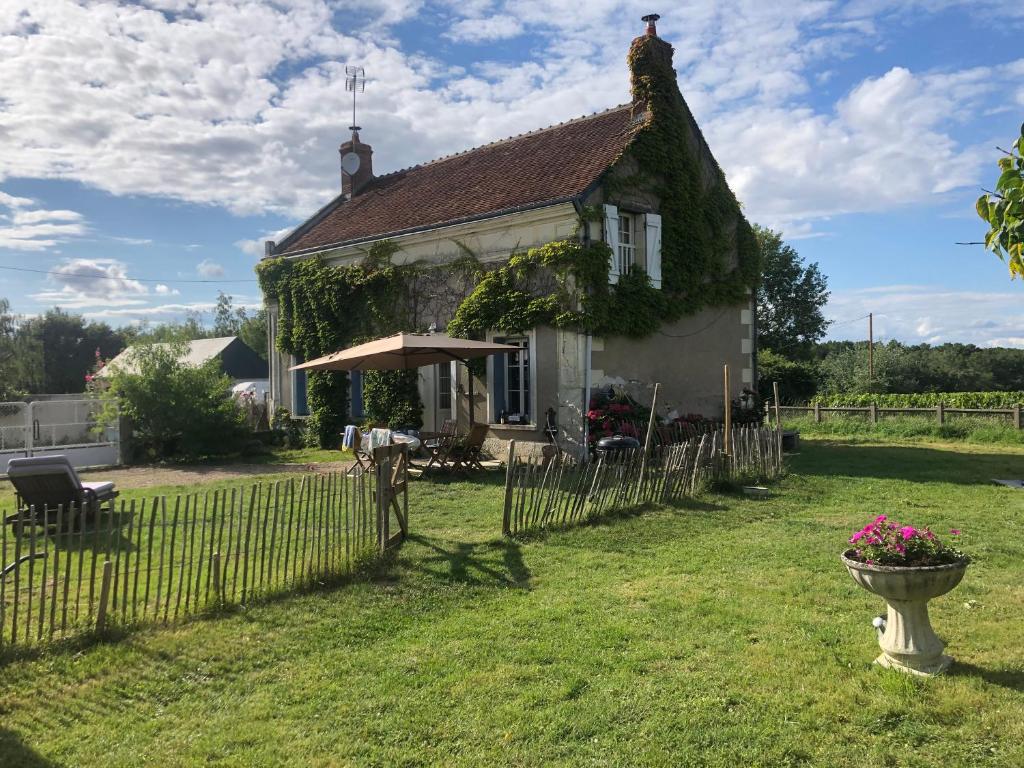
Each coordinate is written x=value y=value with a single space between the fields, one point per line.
x=498 y=385
x=299 y=383
x=356 y=394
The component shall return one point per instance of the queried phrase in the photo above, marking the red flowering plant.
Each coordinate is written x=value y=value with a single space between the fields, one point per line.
x=886 y=542
x=615 y=413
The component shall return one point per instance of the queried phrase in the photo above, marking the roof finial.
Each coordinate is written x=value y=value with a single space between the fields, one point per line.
x=651 y=19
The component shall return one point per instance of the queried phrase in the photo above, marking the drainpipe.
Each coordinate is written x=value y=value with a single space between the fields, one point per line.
x=586 y=396
x=588 y=349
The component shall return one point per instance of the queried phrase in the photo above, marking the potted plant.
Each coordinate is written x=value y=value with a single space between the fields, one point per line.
x=906 y=567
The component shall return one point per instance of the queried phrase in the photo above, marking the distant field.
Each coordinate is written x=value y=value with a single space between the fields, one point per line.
x=722 y=633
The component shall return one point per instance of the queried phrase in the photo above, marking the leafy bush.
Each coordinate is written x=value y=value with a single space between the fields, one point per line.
x=176 y=410
x=923 y=400
x=288 y=432
x=798 y=380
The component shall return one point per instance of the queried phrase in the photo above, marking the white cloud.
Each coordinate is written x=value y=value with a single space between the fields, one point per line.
x=209 y=269
x=25 y=227
x=165 y=290
x=242 y=104
x=929 y=314
x=162 y=313
x=133 y=240
x=78 y=283
x=256 y=247
x=478 y=30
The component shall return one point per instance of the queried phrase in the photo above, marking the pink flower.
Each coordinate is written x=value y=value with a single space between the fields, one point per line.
x=881 y=519
x=856 y=537
x=900 y=548
x=954 y=531
x=907 y=531
x=88 y=377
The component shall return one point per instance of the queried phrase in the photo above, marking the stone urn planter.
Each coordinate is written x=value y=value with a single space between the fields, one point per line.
x=908 y=643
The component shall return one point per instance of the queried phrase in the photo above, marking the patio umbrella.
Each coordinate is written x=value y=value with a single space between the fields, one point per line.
x=404 y=351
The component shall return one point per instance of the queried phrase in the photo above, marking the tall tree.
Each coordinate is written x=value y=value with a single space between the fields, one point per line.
x=789 y=299
x=68 y=348
x=1003 y=209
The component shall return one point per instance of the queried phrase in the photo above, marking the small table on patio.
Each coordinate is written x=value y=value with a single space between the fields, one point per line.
x=412 y=441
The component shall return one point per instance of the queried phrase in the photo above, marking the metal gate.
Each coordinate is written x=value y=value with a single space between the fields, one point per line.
x=58 y=426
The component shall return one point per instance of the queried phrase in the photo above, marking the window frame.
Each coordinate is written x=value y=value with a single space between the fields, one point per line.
x=492 y=401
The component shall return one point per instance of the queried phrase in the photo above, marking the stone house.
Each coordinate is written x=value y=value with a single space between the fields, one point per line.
x=590 y=178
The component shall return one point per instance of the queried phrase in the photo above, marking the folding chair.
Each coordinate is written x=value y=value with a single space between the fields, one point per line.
x=468 y=452
x=440 y=447
x=45 y=483
x=359 y=443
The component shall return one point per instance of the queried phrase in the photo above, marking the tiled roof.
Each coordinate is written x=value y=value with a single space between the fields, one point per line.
x=545 y=166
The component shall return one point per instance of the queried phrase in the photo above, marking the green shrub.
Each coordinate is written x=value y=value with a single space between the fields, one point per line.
x=176 y=410
x=798 y=380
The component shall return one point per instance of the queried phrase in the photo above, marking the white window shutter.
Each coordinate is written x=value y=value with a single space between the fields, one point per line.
x=652 y=244
x=611 y=236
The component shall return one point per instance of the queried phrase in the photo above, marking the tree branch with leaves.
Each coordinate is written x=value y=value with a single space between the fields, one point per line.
x=1003 y=209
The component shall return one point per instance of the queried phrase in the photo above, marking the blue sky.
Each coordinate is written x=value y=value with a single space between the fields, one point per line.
x=161 y=142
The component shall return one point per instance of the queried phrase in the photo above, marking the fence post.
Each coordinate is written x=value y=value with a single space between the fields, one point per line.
x=775 y=400
x=101 y=612
x=940 y=413
x=873 y=413
x=1016 y=416
x=506 y=520
x=216 y=578
x=817 y=413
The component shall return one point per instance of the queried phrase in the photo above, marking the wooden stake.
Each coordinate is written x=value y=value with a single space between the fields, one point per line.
x=775 y=399
x=101 y=613
x=217 y=583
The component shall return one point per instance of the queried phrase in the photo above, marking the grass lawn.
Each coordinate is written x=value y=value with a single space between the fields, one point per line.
x=721 y=633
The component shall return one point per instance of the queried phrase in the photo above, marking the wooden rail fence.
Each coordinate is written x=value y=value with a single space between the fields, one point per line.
x=873 y=412
x=156 y=560
x=561 y=491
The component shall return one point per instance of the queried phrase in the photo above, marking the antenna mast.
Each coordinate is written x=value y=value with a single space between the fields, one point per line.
x=355 y=81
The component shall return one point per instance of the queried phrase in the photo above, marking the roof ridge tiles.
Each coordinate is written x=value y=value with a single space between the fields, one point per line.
x=514 y=137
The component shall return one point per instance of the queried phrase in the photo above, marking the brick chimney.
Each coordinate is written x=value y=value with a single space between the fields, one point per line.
x=353 y=183
x=650 y=64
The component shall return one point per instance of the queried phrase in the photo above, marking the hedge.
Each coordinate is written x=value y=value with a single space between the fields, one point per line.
x=923 y=400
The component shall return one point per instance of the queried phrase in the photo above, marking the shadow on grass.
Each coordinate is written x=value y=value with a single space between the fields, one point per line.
x=1007 y=678
x=15 y=752
x=471 y=563
x=910 y=463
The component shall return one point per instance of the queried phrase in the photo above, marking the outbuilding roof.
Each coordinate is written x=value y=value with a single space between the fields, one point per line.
x=535 y=169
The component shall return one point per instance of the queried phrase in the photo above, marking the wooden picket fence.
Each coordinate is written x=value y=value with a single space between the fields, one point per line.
x=561 y=490
x=160 y=559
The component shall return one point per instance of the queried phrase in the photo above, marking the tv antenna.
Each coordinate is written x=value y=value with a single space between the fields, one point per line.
x=355 y=81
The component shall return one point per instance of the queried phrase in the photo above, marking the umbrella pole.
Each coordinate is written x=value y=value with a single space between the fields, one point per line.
x=470 y=374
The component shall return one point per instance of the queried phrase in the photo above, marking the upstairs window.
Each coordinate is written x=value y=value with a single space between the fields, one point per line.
x=626 y=250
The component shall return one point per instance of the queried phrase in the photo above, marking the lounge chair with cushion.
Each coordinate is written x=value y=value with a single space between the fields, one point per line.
x=46 y=483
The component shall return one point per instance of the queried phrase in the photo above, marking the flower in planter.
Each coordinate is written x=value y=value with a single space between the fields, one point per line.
x=886 y=542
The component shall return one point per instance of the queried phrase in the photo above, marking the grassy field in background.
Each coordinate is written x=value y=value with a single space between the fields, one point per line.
x=721 y=633
x=978 y=430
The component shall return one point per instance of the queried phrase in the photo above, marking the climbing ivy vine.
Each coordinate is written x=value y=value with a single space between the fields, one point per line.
x=702 y=223
x=323 y=308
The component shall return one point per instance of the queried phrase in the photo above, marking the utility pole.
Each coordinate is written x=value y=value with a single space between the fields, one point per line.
x=871 y=346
